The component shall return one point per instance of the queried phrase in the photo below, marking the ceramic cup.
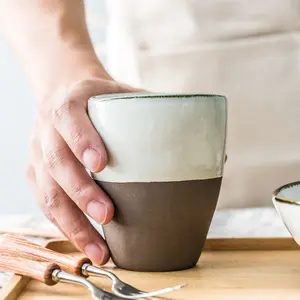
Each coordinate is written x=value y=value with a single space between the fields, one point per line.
x=166 y=157
x=286 y=200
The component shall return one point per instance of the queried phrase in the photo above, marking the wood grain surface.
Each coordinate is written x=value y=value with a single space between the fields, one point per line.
x=32 y=251
x=228 y=269
x=42 y=271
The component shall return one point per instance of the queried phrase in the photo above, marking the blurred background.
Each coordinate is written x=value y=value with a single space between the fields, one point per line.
x=17 y=115
x=269 y=39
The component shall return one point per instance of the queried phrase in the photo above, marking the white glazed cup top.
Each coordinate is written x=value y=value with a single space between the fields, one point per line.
x=160 y=137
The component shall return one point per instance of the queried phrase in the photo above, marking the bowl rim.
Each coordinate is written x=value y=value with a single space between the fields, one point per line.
x=285 y=200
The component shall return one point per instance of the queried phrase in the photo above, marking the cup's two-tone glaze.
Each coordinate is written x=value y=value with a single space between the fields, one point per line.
x=166 y=157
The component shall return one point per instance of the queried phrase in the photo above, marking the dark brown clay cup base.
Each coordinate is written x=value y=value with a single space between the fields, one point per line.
x=160 y=226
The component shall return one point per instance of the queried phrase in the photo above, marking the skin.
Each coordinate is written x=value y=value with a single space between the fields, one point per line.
x=51 y=40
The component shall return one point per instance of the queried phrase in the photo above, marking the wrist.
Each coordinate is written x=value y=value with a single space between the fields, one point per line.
x=67 y=70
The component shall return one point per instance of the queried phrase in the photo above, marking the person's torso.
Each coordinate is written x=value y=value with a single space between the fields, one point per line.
x=246 y=50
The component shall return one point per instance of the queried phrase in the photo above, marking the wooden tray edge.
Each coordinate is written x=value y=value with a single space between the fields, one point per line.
x=17 y=283
x=14 y=287
x=253 y=244
x=214 y=244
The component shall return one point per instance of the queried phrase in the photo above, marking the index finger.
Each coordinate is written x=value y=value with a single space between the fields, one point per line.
x=72 y=122
x=76 y=129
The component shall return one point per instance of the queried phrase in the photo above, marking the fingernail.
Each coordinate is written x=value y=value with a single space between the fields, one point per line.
x=92 y=159
x=95 y=253
x=97 y=211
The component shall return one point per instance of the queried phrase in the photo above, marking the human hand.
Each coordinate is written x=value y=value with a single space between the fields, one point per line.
x=63 y=144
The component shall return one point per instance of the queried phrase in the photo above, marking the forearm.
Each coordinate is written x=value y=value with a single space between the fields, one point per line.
x=51 y=39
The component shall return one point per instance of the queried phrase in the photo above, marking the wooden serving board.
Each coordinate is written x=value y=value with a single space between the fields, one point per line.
x=228 y=269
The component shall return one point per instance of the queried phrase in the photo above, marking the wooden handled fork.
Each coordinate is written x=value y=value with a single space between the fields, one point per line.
x=42 y=271
x=13 y=259
x=36 y=252
x=77 y=266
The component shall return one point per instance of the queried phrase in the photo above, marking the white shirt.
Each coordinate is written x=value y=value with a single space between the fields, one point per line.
x=248 y=51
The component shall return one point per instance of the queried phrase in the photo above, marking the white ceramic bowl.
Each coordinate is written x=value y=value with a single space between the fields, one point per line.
x=286 y=200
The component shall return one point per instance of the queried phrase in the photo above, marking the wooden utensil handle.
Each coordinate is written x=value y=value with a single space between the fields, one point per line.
x=36 y=252
x=42 y=271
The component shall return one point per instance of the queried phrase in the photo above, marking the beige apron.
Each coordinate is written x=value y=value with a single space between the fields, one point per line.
x=246 y=50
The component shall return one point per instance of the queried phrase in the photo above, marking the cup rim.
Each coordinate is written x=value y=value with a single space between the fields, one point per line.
x=145 y=95
x=285 y=200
